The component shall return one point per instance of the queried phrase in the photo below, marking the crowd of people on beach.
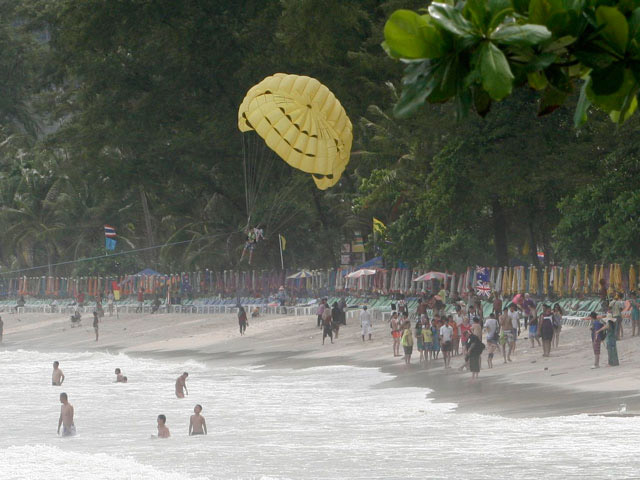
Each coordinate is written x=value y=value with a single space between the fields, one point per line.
x=462 y=332
x=197 y=422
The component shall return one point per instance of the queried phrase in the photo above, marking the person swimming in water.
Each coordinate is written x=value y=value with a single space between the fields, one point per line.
x=163 y=430
x=197 y=423
x=119 y=376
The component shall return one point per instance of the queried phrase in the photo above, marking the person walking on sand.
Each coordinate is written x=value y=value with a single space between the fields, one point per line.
x=66 y=417
x=57 y=377
x=396 y=333
x=635 y=314
x=492 y=328
x=533 y=331
x=366 y=323
x=242 y=319
x=327 y=325
x=336 y=319
x=506 y=334
x=596 y=338
x=95 y=323
x=446 y=337
x=435 y=345
x=163 y=430
x=611 y=340
x=197 y=423
x=514 y=316
x=557 y=324
x=407 y=342
x=181 y=385
x=427 y=339
x=420 y=339
x=475 y=347
x=545 y=324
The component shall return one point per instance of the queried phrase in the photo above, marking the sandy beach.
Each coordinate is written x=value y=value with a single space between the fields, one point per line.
x=530 y=386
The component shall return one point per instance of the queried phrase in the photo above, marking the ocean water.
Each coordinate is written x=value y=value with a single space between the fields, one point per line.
x=279 y=424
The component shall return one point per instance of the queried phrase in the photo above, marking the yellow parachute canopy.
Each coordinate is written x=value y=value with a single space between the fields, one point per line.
x=303 y=122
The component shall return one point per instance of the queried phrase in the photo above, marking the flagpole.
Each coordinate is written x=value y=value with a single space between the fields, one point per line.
x=281 y=257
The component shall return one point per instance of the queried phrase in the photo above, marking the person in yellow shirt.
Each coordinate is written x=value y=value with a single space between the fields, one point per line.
x=407 y=342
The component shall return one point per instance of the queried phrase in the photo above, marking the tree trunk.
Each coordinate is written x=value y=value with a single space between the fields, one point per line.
x=499 y=232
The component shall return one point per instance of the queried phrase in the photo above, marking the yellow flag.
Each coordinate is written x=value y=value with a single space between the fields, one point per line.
x=283 y=243
x=378 y=226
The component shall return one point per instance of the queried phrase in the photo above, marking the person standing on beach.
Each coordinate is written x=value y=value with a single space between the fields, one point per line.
x=57 y=377
x=396 y=333
x=435 y=332
x=140 y=300
x=163 y=430
x=181 y=385
x=242 y=319
x=327 y=325
x=533 y=331
x=366 y=323
x=507 y=339
x=596 y=338
x=197 y=423
x=557 y=324
x=407 y=342
x=545 y=325
x=320 y=311
x=635 y=314
x=95 y=324
x=336 y=319
x=616 y=306
x=66 y=417
x=446 y=337
x=611 y=341
x=528 y=309
x=110 y=299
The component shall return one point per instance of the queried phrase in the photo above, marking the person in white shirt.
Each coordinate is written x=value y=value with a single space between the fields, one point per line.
x=366 y=323
x=446 y=334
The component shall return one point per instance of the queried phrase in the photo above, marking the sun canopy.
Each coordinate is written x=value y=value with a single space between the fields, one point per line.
x=363 y=272
x=431 y=276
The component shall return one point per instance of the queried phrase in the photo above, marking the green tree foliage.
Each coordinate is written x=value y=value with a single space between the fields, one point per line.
x=475 y=52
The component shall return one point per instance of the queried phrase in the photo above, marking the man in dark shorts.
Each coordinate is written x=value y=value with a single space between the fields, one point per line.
x=446 y=337
x=327 y=324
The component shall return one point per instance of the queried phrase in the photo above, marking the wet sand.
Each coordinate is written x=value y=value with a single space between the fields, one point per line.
x=530 y=386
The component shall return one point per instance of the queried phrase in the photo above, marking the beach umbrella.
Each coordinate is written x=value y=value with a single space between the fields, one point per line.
x=632 y=278
x=545 y=281
x=363 y=272
x=596 y=277
x=431 y=276
x=301 y=274
x=578 y=280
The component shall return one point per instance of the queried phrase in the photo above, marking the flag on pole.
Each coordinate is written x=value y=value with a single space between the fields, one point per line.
x=378 y=226
x=109 y=231
x=110 y=243
x=283 y=242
